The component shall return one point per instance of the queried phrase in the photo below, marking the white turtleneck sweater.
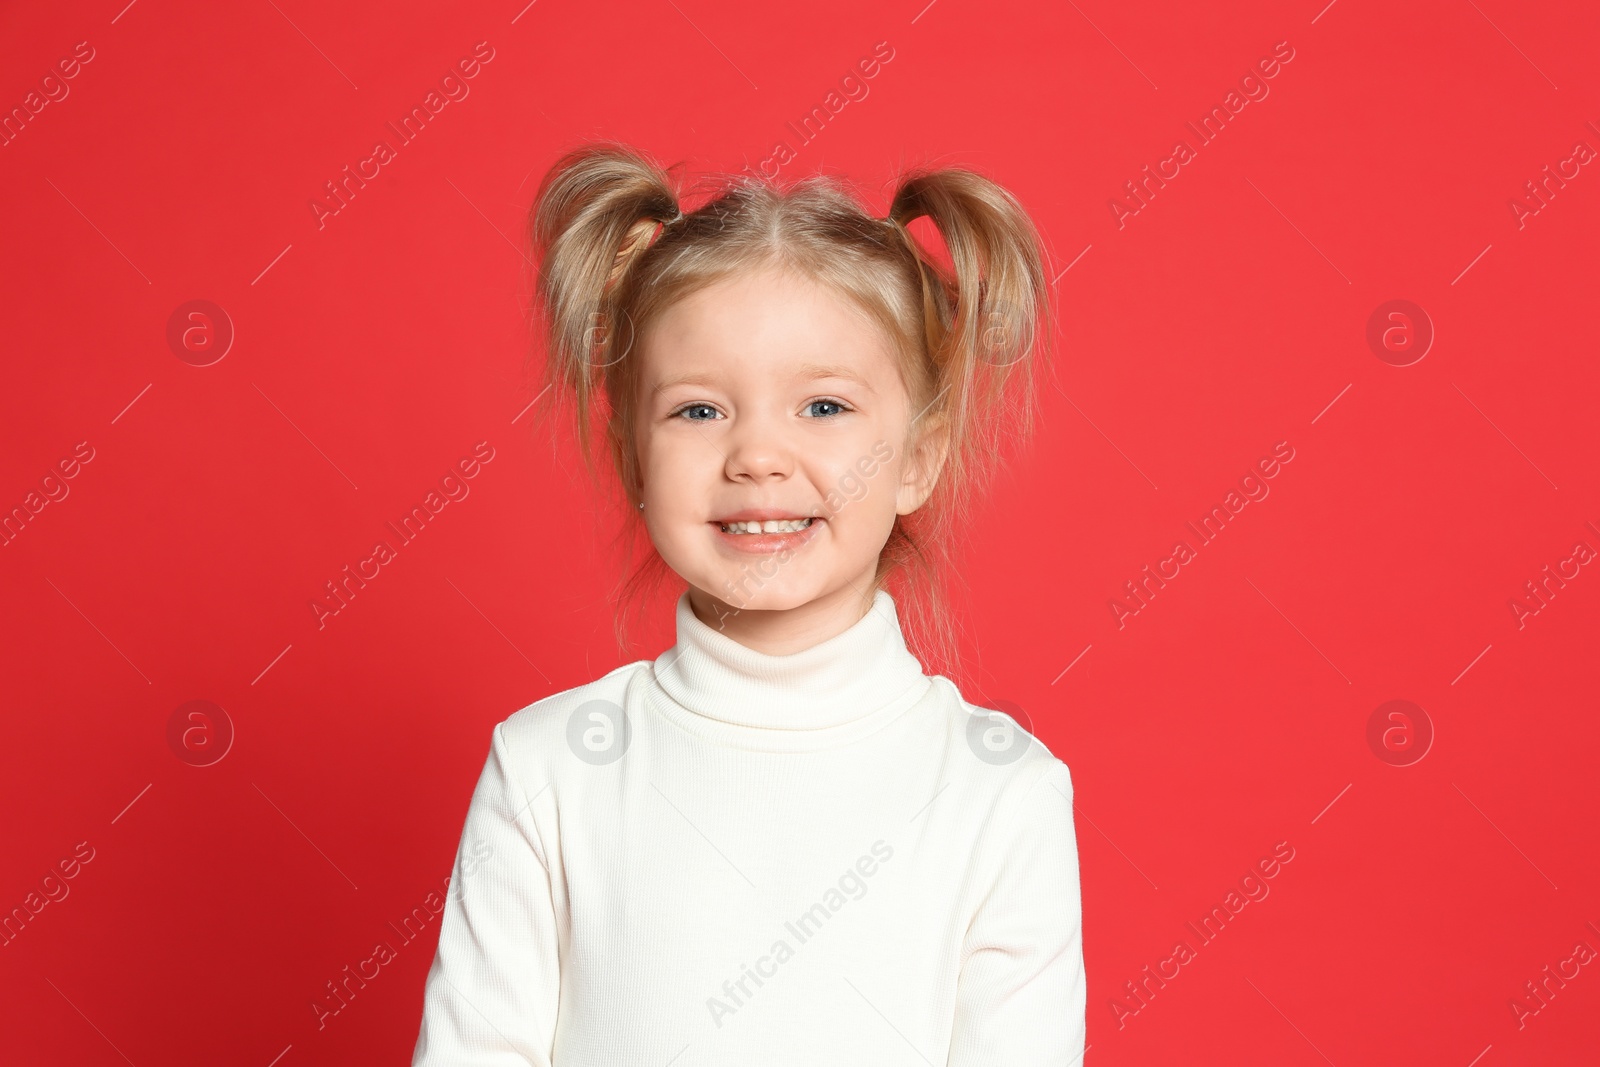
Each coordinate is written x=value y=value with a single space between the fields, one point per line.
x=728 y=857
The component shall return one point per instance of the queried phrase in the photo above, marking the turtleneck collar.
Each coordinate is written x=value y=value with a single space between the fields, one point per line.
x=838 y=687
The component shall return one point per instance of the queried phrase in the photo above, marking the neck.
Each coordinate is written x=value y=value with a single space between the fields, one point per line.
x=783 y=631
x=844 y=686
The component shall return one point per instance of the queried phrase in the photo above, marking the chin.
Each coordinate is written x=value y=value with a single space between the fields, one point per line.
x=747 y=592
x=765 y=599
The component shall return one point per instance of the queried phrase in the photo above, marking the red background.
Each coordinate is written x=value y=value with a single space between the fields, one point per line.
x=1225 y=316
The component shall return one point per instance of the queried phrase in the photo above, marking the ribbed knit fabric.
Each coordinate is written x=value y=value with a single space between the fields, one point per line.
x=728 y=857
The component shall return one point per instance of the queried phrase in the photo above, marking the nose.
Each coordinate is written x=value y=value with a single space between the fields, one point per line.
x=757 y=450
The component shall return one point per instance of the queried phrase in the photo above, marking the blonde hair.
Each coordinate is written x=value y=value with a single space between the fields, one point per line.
x=614 y=249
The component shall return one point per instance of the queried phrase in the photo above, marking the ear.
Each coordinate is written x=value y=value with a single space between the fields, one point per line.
x=924 y=463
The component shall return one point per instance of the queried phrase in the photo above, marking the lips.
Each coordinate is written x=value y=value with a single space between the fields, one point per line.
x=765 y=530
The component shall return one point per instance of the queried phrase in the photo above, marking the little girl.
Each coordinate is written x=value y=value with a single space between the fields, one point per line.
x=780 y=842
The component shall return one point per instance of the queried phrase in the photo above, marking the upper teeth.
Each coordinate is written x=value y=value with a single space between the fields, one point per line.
x=770 y=526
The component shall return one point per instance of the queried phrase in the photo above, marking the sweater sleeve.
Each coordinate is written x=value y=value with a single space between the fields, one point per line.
x=494 y=986
x=1022 y=992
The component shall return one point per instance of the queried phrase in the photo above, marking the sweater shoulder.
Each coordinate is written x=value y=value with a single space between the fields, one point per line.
x=544 y=724
x=1004 y=751
x=1019 y=793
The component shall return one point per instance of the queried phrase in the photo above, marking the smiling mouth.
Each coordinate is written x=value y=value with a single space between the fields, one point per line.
x=769 y=526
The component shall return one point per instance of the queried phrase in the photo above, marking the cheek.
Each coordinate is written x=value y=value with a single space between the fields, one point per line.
x=678 y=473
x=862 y=501
x=664 y=457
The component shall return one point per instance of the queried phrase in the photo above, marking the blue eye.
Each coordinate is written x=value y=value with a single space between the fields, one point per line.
x=684 y=411
x=831 y=403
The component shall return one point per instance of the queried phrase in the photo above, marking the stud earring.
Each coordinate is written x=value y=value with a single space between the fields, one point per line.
x=641 y=505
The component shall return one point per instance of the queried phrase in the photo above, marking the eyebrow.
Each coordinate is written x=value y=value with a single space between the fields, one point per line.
x=809 y=372
x=682 y=379
x=813 y=371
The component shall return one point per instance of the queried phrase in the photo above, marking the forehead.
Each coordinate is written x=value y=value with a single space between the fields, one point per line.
x=765 y=325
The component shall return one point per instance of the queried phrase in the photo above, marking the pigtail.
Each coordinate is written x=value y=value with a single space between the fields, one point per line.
x=989 y=316
x=986 y=320
x=597 y=210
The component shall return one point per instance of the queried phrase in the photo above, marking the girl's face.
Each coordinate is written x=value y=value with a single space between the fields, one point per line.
x=767 y=399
